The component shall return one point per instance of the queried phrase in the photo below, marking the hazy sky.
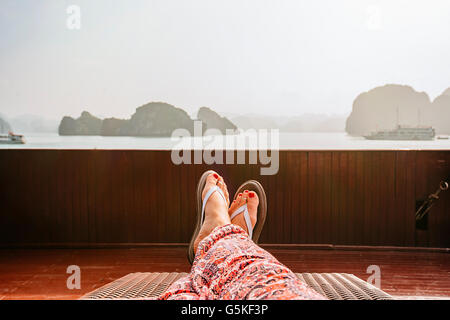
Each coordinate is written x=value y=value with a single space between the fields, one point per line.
x=283 y=57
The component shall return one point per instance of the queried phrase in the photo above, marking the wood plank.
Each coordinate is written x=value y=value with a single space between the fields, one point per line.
x=303 y=198
x=91 y=198
x=386 y=194
x=350 y=215
x=288 y=193
x=82 y=198
x=73 y=174
x=374 y=219
x=359 y=199
x=327 y=197
x=336 y=196
x=312 y=196
x=343 y=190
x=61 y=207
x=409 y=212
x=400 y=198
x=293 y=183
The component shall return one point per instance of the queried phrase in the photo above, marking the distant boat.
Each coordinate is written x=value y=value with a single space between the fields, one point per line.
x=403 y=133
x=12 y=138
x=442 y=137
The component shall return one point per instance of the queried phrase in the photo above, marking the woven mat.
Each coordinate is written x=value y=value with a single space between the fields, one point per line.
x=145 y=285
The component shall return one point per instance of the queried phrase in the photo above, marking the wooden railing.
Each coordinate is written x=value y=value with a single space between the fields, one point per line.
x=140 y=196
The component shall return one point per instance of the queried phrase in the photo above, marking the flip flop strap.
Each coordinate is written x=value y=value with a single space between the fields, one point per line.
x=248 y=222
x=208 y=194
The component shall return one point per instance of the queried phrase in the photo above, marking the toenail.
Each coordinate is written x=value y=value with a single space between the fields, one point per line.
x=216 y=176
x=251 y=194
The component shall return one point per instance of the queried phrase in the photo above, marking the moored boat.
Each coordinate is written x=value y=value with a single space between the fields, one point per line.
x=12 y=138
x=403 y=133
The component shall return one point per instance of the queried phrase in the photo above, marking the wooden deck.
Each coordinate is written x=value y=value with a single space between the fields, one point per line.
x=41 y=273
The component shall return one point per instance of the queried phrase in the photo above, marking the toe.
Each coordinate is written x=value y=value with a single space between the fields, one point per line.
x=214 y=179
x=221 y=184
x=236 y=203
x=252 y=205
x=252 y=199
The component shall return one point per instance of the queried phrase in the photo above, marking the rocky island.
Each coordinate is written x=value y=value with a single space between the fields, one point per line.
x=154 y=119
x=385 y=107
x=85 y=125
x=212 y=120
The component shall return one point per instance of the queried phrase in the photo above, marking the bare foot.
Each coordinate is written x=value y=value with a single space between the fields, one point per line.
x=216 y=210
x=251 y=198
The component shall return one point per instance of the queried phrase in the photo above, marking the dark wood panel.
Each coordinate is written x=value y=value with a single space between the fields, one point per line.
x=140 y=196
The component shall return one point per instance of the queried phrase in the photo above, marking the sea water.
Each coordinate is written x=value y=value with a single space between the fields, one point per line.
x=286 y=141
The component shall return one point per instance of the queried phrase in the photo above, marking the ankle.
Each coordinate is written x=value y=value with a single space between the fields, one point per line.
x=218 y=217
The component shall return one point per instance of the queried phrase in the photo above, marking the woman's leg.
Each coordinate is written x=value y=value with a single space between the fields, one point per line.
x=180 y=290
x=216 y=215
x=228 y=265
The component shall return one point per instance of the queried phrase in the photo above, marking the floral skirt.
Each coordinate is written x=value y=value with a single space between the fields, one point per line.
x=228 y=265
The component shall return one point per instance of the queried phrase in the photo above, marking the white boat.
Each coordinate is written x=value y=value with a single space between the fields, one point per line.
x=403 y=133
x=12 y=138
